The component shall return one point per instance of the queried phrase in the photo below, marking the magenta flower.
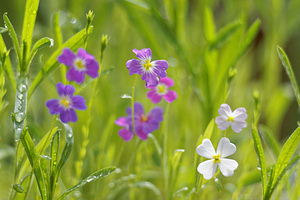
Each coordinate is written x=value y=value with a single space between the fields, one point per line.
x=80 y=64
x=150 y=71
x=161 y=90
x=144 y=124
x=66 y=104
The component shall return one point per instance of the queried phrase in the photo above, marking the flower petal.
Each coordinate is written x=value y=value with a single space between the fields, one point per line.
x=141 y=134
x=143 y=53
x=240 y=114
x=223 y=124
x=54 y=106
x=81 y=53
x=78 y=102
x=155 y=98
x=167 y=81
x=206 y=149
x=170 y=96
x=67 y=57
x=150 y=78
x=65 y=90
x=237 y=126
x=227 y=166
x=138 y=109
x=74 y=75
x=125 y=134
x=121 y=121
x=224 y=110
x=207 y=169
x=134 y=66
x=156 y=114
x=68 y=116
x=225 y=148
x=92 y=67
x=160 y=67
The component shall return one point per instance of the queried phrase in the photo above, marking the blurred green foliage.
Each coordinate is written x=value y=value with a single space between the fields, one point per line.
x=203 y=41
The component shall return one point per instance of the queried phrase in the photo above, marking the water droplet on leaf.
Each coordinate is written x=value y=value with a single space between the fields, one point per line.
x=20 y=96
x=126 y=96
x=19 y=117
x=22 y=88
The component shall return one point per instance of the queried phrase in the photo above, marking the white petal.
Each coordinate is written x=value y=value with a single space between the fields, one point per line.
x=225 y=148
x=206 y=149
x=240 y=114
x=223 y=124
x=224 y=110
x=238 y=126
x=227 y=166
x=207 y=169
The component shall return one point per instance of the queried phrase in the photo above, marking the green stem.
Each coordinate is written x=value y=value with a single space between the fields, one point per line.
x=49 y=134
x=132 y=103
x=165 y=154
x=11 y=192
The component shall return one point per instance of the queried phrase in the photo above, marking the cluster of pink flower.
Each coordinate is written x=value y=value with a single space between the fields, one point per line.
x=155 y=75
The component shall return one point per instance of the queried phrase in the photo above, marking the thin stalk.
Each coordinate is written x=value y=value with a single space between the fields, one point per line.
x=48 y=137
x=11 y=196
x=165 y=154
x=29 y=185
x=132 y=103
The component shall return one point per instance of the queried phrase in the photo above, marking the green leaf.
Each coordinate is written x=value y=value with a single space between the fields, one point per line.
x=34 y=160
x=18 y=188
x=283 y=161
x=3 y=30
x=73 y=43
x=7 y=65
x=224 y=34
x=289 y=70
x=176 y=159
x=148 y=185
x=57 y=31
x=209 y=25
x=44 y=42
x=28 y=24
x=13 y=36
x=95 y=176
x=54 y=147
x=261 y=156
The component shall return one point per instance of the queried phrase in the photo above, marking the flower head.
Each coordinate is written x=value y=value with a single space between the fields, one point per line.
x=235 y=119
x=80 y=64
x=144 y=123
x=150 y=70
x=161 y=90
x=217 y=159
x=66 y=104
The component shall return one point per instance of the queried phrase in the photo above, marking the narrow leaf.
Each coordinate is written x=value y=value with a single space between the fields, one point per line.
x=270 y=140
x=95 y=176
x=289 y=70
x=44 y=42
x=73 y=43
x=3 y=30
x=7 y=65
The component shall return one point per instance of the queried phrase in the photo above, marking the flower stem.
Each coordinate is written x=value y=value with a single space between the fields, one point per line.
x=165 y=154
x=132 y=103
x=49 y=134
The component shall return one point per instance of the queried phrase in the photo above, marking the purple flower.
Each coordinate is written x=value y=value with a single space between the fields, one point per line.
x=161 y=90
x=66 y=104
x=150 y=71
x=79 y=64
x=144 y=124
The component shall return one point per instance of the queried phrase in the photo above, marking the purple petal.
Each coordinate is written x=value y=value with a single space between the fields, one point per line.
x=54 y=106
x=167 y=81
x=92 y=67
x=170 y=96
x=81 y=53
x=150 y=78
x=156 y=114
x=65 y=90
x=68 y=116
x=143 y=53
x=134 y=66
x=78 y=102
x=155 y=98
x=141 y=134
x=125 y=134
x=138 y=109
x=160 y=67
x=122 y=121
x=67 y=57
x=74 y=75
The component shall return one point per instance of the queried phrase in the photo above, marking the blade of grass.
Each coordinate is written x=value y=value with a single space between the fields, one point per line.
x=289 y=70
x=270 y=139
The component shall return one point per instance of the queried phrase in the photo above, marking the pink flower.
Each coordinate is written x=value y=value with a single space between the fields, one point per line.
x=161 y=90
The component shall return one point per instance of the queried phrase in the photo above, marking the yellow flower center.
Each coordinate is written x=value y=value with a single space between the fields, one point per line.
x=217 y=158
x=79 y=64
x=65 y=102
x=147 y=65
x=144 y=118
x=230 y=119
x=161 y=89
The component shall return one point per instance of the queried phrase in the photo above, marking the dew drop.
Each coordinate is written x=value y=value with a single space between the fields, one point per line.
x=73 y=21
x=22 y=88
x=20 y=107
x=259 y=168
x=126 y=96
x=19 y=117
x=70 y=135
x=91 y=178
x=51 y=42
x=20 y=96
x=45 y=157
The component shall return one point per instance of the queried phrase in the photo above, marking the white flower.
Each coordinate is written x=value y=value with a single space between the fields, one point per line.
x=235 y=119
x=208 y=168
